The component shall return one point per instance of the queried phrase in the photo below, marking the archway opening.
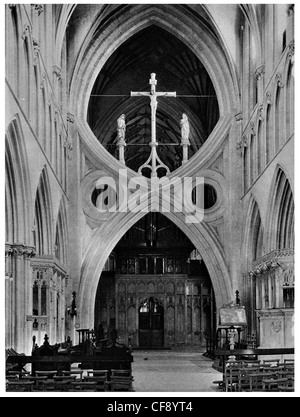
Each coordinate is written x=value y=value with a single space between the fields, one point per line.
x=155 y=289
x=153 y=50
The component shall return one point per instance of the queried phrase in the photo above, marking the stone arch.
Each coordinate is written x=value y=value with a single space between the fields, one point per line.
x=99 y=250
x=280 y=226
x=61 y=235
x=17 y=191
x=43 y=239
x=289 y=98
x=254 y=234
x=95 y=52
x=208 y=51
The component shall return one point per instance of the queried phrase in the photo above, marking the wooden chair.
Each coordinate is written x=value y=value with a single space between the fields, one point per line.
x=48 y=374
x=256 y=380
x=231 y=376
x=271 y=384
x=272 y=362
x=101 y=381
x=252 y=363
x=83 y=386
x=289 y=361
x=121 y=380
x=18 y=374
x=287 y=386
x=75 y=372
x=19 y=386
x=37 y=382
x=98 y=373
x=244 y=378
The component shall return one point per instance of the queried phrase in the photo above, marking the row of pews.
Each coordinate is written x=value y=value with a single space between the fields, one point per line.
x=258 y=376
x=103 y=366
x=69 y=381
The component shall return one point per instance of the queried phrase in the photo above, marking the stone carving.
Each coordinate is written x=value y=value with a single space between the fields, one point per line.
x=39 y=8
x=121 y=137
x=276 y=325
x=70 y=117
x=291 y=49
x=121 y=129
x=25 y=31
x=268 y=97
x=278 y=78
x=57 y=72
x=185 y=130
x=36 y=50
x=259 y=73
x=260 y=112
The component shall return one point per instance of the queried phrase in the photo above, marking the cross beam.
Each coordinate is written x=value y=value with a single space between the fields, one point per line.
x=153 y=94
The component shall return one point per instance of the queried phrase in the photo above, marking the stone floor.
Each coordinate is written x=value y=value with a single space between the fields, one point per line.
x=173 y=371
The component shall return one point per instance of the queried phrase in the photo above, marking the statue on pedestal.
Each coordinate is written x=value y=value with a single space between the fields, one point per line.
x=185 y=132
x=121 y=130
x=121 y=137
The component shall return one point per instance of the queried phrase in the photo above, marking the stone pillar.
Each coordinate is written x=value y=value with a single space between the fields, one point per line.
x=19 y=298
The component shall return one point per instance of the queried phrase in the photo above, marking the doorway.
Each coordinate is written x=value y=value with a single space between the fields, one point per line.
x=151 y=324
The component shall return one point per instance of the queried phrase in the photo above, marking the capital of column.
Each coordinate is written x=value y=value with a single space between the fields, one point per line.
x=19 y=250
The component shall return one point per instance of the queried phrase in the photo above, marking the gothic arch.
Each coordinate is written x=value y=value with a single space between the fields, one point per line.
x=96 y=50
x=43 y=216
x=61 y=235
x=253 y=235
x=99 y=250
x=280 y=225
x=17 y=192
x=289 y=98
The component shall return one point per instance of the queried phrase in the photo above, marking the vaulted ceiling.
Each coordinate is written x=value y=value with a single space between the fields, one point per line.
x=177 y=69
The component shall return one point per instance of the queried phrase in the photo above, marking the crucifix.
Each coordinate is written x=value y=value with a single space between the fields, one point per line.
x=153 y=162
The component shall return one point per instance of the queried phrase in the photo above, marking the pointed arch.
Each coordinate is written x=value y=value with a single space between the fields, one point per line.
x=43 y=216
x=290 y=97
x=17 y=192
x=253 y=248
x=105 y=239
x=61 y=235
x=281 y=212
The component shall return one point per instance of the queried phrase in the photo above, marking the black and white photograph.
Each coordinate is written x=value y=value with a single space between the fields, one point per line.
x=149 y=202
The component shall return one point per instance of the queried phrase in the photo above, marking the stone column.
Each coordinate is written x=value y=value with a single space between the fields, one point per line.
x=21 y=287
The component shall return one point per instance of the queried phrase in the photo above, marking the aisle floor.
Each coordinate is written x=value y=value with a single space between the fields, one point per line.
x=173 y=371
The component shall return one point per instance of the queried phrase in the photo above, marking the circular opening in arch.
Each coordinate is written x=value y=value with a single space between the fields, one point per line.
x=209 y=195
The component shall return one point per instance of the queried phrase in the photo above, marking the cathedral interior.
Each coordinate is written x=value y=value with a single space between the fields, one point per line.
x=148 y=275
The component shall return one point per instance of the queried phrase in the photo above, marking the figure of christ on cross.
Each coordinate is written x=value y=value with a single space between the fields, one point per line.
x=153 y=94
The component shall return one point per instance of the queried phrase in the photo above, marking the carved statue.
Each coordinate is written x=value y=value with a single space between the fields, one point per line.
x=185 y=130
x=121 y=129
